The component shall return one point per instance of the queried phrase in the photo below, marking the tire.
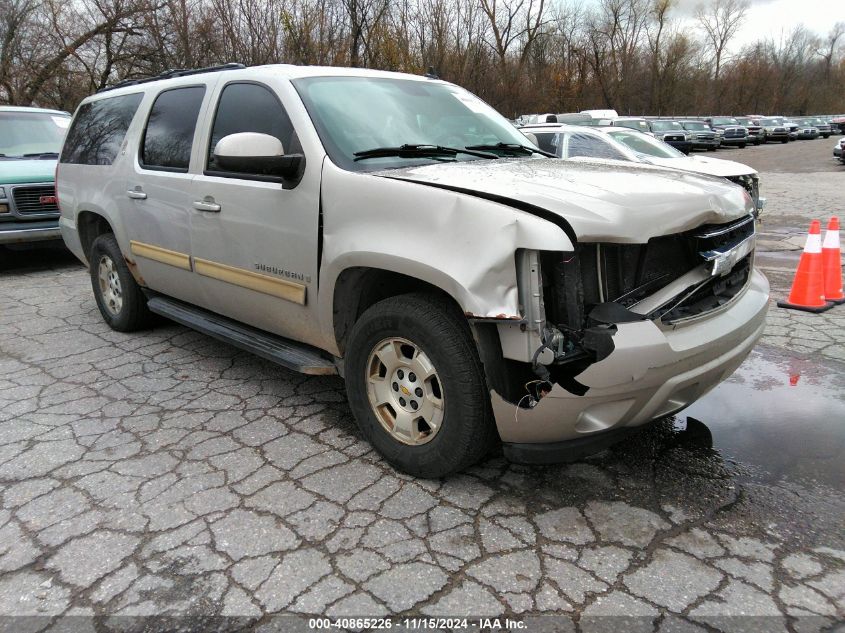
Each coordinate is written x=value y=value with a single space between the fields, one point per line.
x=119 y=297
x=742 y=146
x=785 y=140
x=437 y=331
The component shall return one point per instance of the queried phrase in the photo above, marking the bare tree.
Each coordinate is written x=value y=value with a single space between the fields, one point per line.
x=14 y=15
x=364 y=16
x=519 y=55
x=828 y=51
x=721 y=20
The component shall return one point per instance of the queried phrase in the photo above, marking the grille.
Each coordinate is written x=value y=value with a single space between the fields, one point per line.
x=673 y=137
x=712 y=294
x=31 y=200
x=627 y=273
x=734 y=133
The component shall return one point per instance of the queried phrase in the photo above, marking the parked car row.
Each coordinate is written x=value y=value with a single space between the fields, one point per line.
x=707 y=133
x=471 y=287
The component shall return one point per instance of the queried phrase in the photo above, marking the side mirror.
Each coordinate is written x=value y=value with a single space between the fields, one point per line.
x=258 y=154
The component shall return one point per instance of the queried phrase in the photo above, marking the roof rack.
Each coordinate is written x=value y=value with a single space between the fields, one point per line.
x=173 y=72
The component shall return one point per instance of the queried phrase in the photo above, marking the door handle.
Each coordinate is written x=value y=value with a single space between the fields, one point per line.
x=207 y=204
x=136 y=194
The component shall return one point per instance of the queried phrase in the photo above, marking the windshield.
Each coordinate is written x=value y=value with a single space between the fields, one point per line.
x=744 y=121
x=31 y=133
x=771 y=121
x=725 y=121
x=355 y=114
x=665 y=126
x=645 y=145
x=695 y=125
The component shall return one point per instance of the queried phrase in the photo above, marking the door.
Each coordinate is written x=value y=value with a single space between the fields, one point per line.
x=159 y=192
x=253 y=237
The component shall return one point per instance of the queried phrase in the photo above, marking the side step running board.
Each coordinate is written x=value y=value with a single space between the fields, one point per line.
x=287 y=353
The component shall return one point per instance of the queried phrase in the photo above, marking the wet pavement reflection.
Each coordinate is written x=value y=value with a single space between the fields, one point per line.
x=781 y=417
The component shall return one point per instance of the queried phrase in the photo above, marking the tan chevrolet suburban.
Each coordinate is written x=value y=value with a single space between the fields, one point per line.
x=396 y=230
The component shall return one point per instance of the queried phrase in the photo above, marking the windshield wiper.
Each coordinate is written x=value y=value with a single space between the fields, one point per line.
x=41 y=155
x=514 y=148
x=418 y=150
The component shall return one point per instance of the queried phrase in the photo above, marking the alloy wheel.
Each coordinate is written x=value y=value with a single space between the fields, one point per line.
x=404 y=390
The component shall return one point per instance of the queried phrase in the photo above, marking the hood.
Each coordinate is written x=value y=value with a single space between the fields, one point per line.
x=14 y=171
x=705 y=165
x=601 y=200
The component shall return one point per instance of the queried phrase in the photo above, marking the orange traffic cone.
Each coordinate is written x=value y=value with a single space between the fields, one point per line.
x=832 y=258
x=808 y=286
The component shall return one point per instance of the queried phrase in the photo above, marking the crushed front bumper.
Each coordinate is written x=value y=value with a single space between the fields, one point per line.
x=653 y=371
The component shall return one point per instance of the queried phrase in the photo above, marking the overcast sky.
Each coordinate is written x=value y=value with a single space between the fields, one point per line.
x=775 y=18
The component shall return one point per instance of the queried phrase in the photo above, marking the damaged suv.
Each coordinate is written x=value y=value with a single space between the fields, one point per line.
x=397 y=231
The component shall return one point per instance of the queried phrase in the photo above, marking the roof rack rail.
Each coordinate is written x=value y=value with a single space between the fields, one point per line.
x=173 y=72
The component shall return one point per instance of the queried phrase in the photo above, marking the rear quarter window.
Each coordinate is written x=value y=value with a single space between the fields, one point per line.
x=98 y=129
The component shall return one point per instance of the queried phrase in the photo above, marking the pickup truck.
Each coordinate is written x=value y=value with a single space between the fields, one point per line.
x=30 y=139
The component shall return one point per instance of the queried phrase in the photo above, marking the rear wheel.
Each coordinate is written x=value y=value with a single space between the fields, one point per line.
x=784 y=140
x=742 y=146
x=119 y=297
x=416 y=386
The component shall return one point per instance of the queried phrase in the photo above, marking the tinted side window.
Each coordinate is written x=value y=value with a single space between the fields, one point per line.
x=170 y=129
x=98 y=129
x=592 y=147
x=247 y=107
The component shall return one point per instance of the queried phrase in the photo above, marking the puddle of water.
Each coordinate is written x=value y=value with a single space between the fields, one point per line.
x=782 y=416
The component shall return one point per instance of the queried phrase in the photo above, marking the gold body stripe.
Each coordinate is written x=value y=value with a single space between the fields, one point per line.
x=281 y=288
x=162 y=255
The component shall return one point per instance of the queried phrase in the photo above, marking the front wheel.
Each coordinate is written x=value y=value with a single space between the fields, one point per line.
x=416 y=386
x=742 y=146
x=119 y=297
x=785 y=140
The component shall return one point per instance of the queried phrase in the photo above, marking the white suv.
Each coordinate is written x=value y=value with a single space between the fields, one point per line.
x=396 y=230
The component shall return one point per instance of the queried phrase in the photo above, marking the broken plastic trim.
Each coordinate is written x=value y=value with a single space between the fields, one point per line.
x=610 y=312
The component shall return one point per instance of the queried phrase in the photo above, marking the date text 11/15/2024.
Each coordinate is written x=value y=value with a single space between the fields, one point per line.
x=484 y=625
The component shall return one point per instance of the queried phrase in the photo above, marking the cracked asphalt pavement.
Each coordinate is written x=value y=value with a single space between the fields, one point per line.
x=164 y=473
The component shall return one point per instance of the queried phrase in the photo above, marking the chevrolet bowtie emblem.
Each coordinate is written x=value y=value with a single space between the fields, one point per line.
x=405 y=390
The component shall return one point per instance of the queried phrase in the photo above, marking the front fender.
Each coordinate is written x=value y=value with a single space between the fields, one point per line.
x=459 y=243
